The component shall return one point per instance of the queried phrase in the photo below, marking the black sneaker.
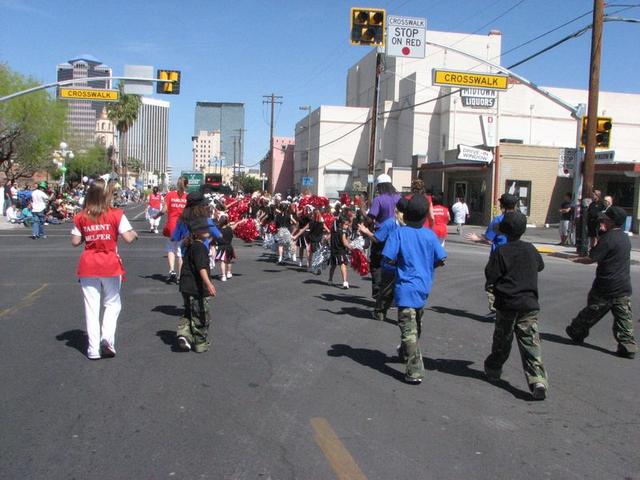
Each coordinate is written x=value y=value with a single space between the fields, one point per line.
x=184 y=344
x=107 y=350
x=492 y=374
x=624 y=353
x=539 y=391
x=173 y=277
x=571 y=333
x=412 y=380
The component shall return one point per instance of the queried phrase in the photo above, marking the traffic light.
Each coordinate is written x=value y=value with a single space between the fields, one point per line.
x=603 y=132
x=168 y=88
x=368 y=26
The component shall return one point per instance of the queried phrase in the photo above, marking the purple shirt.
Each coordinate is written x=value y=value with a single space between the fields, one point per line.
x=383 y=207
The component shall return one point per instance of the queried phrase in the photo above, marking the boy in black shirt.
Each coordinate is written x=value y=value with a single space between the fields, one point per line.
x=512 y=274
x=611 y=288
x=195 y=286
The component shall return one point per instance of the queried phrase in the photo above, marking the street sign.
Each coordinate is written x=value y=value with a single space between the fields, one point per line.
x=567 y=162
x=138 y=87
x=194 y=180
x=489 y=129
x=478 y=97
x=474 y=154
x=455 y=78
x=307 y=181
x=606 y=156
x=406 y=37
x=94 y=94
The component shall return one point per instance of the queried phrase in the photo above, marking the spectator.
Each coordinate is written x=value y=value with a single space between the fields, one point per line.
x=596 y=207
x=608 y=201
x=566 y=216
x=12 y=215
x=460 y=213
x=40 y=200
x=27 y=215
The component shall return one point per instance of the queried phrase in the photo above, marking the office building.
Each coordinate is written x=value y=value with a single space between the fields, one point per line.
x=82 y=114
x=206 y=151
x=226 y=118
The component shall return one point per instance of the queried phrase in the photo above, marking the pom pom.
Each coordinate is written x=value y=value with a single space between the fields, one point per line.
x=315 y=201
x=359 y=262
x=246 y=230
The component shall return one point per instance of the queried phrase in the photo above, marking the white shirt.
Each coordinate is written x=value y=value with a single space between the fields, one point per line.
x=460 y=212
x=39 y=201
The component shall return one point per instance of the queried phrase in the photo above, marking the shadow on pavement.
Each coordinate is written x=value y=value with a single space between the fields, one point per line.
x=272 y=271
x=552 y=337
x=313 y=281
x=75 y=339
x=170 y=310
x=369 y=358
x=332 y=297
x=352 y=311
x=155 y=276
x=168 y=337
x=461 y=313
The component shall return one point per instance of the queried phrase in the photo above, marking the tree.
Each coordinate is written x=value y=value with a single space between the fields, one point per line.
x=31 y=126
x=123 y=113
x=91 y=163
x=247 y=183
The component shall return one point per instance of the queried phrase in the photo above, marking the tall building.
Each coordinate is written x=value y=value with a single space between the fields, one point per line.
x=82 y=114
x=228 y=119
x=147 y=139
x=206 y=150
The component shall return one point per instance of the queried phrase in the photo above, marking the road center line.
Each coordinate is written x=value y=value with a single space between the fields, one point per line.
x=334 y=450
x=25 y=302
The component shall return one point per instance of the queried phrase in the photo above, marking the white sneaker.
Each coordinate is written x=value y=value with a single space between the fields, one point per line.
x=294 y=258
x=300 y=263
x=229 y=275
x=539 y=391
x=184 y=344
x=223 y=278
x=345 y=285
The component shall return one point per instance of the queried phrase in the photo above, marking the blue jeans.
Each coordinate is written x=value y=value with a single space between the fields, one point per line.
x=37 y=230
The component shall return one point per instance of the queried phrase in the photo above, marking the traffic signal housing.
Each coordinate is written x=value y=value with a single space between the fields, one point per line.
x=604 y=126
x=168 y=88
x=368 y=26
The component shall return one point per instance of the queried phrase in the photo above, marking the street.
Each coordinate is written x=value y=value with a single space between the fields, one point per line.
x=300 y=382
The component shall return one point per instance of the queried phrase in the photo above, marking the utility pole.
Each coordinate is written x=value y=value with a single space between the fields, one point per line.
x=240 y=146
x=272 y=99
x=234 y=179
x=374 y=122
x=592 y=118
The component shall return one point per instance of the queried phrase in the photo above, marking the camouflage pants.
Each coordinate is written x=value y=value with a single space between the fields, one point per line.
x=525 y=327
x=194 y=325
x=597 y=307
x=410 y=323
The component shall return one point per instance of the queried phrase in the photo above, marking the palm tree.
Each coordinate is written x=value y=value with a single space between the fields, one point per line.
x=123 y=114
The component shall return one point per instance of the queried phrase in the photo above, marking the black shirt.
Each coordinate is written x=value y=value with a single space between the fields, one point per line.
x=337 y=246
x=316 y=230
x=283 y=220
x=569 y=214
x=613 y=254
x=195 y=259
x=226 y=236
x=512 y=272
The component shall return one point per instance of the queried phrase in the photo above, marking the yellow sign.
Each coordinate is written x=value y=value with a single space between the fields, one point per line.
x=455 y=78
x=95 y=94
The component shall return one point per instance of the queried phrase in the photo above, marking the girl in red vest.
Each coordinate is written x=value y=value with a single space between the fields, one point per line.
x=441 y=218
x=100 y=268
x=174 y=203
x=153 y=210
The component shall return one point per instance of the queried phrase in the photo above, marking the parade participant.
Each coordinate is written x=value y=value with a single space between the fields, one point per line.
x=384 y=204
x=197 y=207
x=154 y=207
x=315 y=229
x=417 y=187
x=611 y=289
x=174 y=203
x=416 y=252
x=441 y=218
x=40 y=199
x=512 y=275
x=339 y=244
x=196 y=287
x=226 y=254
x=460 y=213
x=301 y=235
x=282 y=219
x=100 y=269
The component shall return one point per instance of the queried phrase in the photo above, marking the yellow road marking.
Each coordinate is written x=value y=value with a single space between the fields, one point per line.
x=338 y=456
x=546 y=249
x=26 y=301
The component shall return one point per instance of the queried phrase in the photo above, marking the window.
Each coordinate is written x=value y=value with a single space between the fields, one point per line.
x=522 y=190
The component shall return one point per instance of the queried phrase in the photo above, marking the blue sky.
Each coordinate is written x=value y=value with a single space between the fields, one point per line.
x=239 y=50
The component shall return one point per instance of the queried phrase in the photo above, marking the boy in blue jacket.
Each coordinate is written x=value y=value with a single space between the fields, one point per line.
x=416 y=252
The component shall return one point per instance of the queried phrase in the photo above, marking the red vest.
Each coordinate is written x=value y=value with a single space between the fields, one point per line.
x=155 y=201
x=441 y=219
x=175 y=205
x=100 y=257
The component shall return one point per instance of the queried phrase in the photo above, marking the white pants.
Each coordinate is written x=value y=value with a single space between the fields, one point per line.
x=154 y=222
x=92 y=287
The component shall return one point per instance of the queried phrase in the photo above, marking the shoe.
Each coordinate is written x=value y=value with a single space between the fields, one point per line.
x=379 y=316
x=107 y=350
x=330 y=283
x=300 y=263
x=294 y=259
x=492 y=374
x=412 y=380
x=624 y=353
x=173 y=277
x=93 y=357
x=571 y=333
x=184 y=344
x=229 y=275
x=345 y=285
x=223 y=278
x=490 y=317
x=42 y=236
x=539 y=391
x=33 y=237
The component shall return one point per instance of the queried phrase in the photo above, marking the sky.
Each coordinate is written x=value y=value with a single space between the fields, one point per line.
x=240 y=50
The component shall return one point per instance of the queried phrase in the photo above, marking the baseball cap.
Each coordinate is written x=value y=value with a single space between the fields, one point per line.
x=198 y=224
x=414 y=210
x=508 y=201
x=616 y=214
x=513 y=224
x=383 y=178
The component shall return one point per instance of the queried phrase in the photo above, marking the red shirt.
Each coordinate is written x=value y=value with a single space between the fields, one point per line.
x=175 y=205
x=155 y=201
x=100 y=257
x=440 y=220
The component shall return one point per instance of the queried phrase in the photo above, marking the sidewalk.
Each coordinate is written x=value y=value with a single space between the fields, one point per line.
x=4 y=225
x=545 y=239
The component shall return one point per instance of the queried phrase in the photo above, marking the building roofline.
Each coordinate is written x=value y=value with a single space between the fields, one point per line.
x=219 y=104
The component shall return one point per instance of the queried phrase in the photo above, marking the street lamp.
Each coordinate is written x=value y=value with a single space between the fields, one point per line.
x=263 y=179
x=307 y=108
x=59 y=159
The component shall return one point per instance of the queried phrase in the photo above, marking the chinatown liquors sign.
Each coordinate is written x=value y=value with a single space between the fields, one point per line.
x=478 y=97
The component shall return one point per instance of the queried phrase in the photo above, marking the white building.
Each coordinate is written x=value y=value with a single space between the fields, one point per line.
x=206 y=150
x=418 y=122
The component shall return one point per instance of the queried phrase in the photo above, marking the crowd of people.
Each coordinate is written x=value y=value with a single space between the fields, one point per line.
x=397 y=238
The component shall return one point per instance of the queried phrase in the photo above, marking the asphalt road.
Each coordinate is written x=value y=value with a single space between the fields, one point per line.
x=300 y=382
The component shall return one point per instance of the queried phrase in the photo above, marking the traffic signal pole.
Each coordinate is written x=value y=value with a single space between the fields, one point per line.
x=374 y=122
x=592 y=118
